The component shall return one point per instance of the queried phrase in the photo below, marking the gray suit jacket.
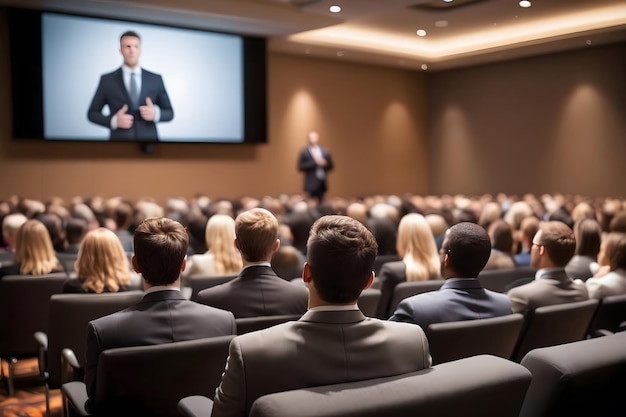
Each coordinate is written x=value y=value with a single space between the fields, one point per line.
x=457 y=299
x=554 y=287
x=160 y=317
x=257 y=291
x=323 y=347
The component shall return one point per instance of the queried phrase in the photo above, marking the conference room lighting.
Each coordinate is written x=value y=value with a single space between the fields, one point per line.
x=421 y=32
x=525 y=4
x=334 y=9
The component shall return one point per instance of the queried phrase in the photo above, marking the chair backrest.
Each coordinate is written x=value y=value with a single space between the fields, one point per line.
x=368 y=301
x=460 y=339
x=150 y=380
x=498 y=279
x=477 y=386
x=252 y=324
x=610 y=314
x=199 y=283
x=408 y=289
x=68 y=261
x=6 y=258
x=24 y=301
x=584 y=378
x=554 y=325
x=67 y=329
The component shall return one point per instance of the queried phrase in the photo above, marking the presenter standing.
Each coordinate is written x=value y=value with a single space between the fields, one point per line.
x=315 y=162
x=136 y=98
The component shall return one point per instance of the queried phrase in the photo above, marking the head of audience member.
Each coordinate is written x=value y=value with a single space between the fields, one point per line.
x=75 y=231
x=583 y=210
x=438 y=226
x=10 y=225
x=102 y=263
x=588 y=235
x=33 y=249
x=340 y=261
x=501 y=236
x=553 y=245
x=256 y=232
x=465 y=251
x=613 y=251
x=417 y=248
x=56 y=229
x=219 y=237
x=160 y=251
x=490 y=212
x=618 y=222
x=528 y=230
x=287 y=262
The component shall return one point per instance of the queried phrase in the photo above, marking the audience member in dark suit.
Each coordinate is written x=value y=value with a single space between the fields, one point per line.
x=75 y=231
x=588 y=234
x=101 y=266
x=501 y=236
x=315 y=162
x=528 y=228
x=420 y=259
x=464 y=254
x=553 y=247
x=131 y=118
x=257 y=290
x=333 y=342
x=163 y=315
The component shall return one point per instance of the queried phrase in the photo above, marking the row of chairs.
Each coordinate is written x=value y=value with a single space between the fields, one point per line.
x=574 y=379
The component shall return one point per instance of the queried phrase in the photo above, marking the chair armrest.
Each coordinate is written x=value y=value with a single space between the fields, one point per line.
x=601 y=332
x=195 y=406
x=42 y=339
x=70 y=367
x=75 y=398
x=42 y=359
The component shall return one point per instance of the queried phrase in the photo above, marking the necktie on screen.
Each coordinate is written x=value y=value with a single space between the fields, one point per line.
x=134 y=92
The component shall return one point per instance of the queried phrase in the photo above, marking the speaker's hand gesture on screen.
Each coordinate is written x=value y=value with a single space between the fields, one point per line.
x=124 y=120
x=147 y=112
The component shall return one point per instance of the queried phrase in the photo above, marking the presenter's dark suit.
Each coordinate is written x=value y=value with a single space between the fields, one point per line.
x=323 y=347
x=313 y=185
x=457 y=299
x=257 y=291
x=160 y=317
x=112 y=91
x=551 y=286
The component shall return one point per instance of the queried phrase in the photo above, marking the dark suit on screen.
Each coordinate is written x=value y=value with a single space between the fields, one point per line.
x=457 y=299
x=160 y=317
x=257 y=291
x=323 y=347
x=313 y=184
x=112 y=92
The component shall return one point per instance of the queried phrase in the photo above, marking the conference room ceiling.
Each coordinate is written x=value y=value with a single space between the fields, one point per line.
x=383 y=32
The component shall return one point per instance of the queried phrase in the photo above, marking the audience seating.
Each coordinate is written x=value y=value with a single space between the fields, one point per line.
x=67 y=328
x=477 y=386
x=585 y=378
x=368 y=301
x=251 y=324
x=408 y=289
x=68 y=261
x=555 y=325
x=150 y=380
x=24 y=301
x=199 y=283
x=610 y=316
x=460 y=339
x=498 y=279
x=6 y=258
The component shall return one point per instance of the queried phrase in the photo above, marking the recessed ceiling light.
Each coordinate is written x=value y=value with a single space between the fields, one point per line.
x=448 y=1
x=424 y=67
x=441 y=23
x=421 y=32
x=588 y=42
x=525 y=3
x=340 y=53
x=334 y=9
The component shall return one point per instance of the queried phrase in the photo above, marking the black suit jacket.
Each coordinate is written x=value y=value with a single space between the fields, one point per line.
x=112 y=92
x=257 y=291
x=160 y=317
x=313 y=184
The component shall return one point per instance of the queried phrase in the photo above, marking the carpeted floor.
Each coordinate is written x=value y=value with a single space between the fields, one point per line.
x=29 y=399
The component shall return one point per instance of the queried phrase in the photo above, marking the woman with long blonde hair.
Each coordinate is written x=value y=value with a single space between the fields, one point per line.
x=34 y=253
x=419 y=258
x=101 y=266
x=221 y=258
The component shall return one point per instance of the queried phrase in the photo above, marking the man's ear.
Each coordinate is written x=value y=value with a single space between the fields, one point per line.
x=276 y=246
x=306 y=273
x=236 y=245
x=135 y=264
x=183 y=266
x=370 y=281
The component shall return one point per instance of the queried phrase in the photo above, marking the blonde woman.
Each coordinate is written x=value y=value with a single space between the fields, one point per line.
x=34 y=253
x=420 y=260
x=101 y=265
x=221 y=258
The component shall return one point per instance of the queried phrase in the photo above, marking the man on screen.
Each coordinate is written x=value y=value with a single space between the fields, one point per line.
x=136 y=98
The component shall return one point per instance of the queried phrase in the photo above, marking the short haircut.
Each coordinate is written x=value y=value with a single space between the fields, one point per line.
x=468 y=248
x=340 y=254
x=130 y=33
x=559 y=241
x=160 y=248
x=529 y=227
x=501 y=235
x=256 y=231
x=588 y=235
x=615 y=249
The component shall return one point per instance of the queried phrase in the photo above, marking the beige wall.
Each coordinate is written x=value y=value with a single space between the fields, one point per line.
x=553 y=123
x=372 y=119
